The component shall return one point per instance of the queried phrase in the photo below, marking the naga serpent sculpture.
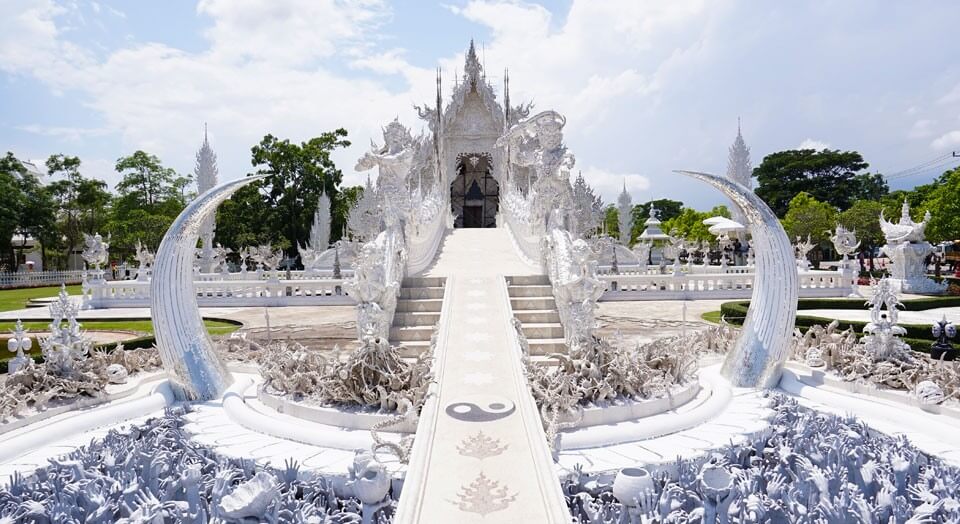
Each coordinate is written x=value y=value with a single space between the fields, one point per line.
x=764 y=343
x=182 y=340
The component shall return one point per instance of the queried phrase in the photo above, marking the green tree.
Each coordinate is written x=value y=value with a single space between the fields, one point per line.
x=944 y=205
x=833 y=177
x=81 y=203
x=150 y=198
x=808 y=216
x=11 y=201
x=611 y=221
x=297 y=175
x=864 y=217
x=689 y=223
x=666 y=209
x=37 y=215
x=145 y=179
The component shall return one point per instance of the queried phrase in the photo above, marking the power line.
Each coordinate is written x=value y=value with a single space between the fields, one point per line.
x=938 y=163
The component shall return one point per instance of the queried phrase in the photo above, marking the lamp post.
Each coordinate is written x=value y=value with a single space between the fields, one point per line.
x=943 y=330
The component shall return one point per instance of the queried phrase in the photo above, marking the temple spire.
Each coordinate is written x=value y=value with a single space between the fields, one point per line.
x=506 y=98
x=472 y=68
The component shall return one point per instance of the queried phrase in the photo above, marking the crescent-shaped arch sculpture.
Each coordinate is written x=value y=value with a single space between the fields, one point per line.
x=185 y=347
x=764 y=344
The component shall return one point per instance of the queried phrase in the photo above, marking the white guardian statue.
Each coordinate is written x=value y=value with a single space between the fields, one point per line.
x=908 y=251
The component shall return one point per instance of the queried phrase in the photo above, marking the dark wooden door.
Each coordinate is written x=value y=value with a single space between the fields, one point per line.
x=472 y=216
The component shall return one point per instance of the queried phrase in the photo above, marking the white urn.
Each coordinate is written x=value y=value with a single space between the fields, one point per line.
x=715 y=481
x=630 y=484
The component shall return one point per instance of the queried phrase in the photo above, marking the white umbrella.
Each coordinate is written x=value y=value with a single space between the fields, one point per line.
x=721 y=225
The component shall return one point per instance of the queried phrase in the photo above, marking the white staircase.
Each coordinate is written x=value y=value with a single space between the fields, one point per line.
x=531 y=298
x=418 y=311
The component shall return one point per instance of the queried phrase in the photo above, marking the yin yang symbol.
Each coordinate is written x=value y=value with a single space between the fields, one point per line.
x=480 y=408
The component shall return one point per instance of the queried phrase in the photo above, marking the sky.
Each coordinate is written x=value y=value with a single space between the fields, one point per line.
x=647 y=86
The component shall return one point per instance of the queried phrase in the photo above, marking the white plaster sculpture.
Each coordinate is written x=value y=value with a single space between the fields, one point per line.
x=642 y=251
x=18 y=343
x=844 y=242
x=377 y=274
x=394 y=160
x=153 y=473
x=221 y=263
x=144 y=259
x=801 y=249
x=319 y=236
x=363 y=220
x=588 y=209
x=96 y=252
x=811 y=467
x=185 y=347
x=70 y=369
x=537 y=144
x=572 y=267
x=908 y=251
x=882 y=339
x=764 y=344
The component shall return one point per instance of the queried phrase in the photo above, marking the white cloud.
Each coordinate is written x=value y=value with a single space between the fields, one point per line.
x=947 y=140
x=608 y=185
x=647 y=86
x=810 y=143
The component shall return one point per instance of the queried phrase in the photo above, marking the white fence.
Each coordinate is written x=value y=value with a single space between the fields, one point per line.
x=39 y=278
x=718 y=285
x=232 y=293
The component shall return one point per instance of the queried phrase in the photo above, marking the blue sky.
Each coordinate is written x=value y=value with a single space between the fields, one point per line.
x=647 y=86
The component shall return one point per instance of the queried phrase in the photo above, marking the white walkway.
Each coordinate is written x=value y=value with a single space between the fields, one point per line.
x=480 y=454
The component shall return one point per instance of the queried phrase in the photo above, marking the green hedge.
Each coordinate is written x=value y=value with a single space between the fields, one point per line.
x=918 y=336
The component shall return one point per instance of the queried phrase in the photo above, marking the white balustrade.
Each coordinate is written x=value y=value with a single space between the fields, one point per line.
x=232 y=292
x=39 y=278
x=637 y=286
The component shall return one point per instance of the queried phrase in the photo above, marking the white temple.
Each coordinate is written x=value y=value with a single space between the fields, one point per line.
x=206 y=176
x=625 y=215
x=740 y=170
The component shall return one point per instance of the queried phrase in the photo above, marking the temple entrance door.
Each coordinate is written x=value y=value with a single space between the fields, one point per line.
x=474 y=193
x=472 y=216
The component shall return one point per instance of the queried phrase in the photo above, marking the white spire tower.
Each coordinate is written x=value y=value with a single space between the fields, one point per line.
x=625 y=215
x=739 y=169
x=206 y=175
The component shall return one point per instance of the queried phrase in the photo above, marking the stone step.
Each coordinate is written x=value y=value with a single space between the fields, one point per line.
x=411 y=333
x=416 y=318
x=421 y=292
x=528 y=303
x=419 y=305
x=535 y=316
x=424 y=282
x=528 y=280
x=530 y=291
x=412 y=348
x=545 y=346
x=542 y=330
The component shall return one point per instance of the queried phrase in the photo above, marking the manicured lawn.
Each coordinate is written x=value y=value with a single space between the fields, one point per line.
x=143 y=327
x=12 y=299
x=214 y=327
x=711 y=316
